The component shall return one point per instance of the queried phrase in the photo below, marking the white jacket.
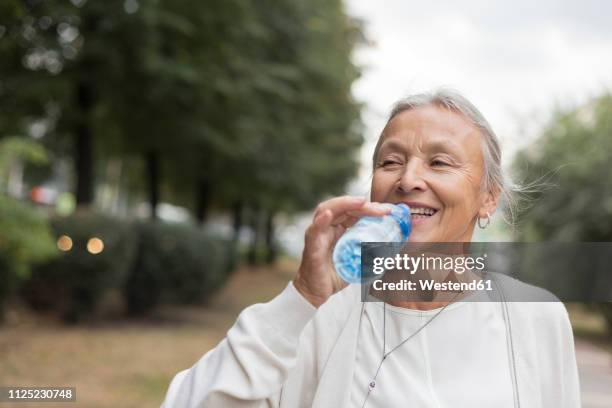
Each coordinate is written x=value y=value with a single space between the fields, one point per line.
x=285 y=353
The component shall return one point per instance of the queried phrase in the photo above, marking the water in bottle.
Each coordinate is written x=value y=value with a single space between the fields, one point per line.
x=394 y=227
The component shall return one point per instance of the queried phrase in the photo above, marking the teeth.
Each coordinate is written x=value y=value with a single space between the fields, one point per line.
x=422 y=210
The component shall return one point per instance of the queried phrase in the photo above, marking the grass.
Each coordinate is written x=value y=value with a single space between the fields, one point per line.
x=128 y=363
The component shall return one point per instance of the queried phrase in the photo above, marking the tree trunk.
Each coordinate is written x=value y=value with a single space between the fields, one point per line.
x=255 y=218
x=271 y=251
x=234 y=256
x=152 y=159
x=84 y=146
x=237 y=218
x=203 y=201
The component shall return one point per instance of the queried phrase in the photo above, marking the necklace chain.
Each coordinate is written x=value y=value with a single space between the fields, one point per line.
x=372 y=383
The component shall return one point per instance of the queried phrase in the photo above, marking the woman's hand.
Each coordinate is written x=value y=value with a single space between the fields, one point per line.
x=316 y=279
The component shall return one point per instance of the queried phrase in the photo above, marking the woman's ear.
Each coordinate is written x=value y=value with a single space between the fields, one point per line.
x=489 y=204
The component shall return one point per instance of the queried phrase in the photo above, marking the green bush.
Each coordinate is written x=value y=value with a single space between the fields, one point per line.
x=151 y=263
x=25 y=238
x=176 y=264
x=74 y=283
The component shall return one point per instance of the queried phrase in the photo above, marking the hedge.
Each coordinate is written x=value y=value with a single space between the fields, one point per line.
x=25 y=239
x=176 y=264
x=150 y=263
x=73 y=283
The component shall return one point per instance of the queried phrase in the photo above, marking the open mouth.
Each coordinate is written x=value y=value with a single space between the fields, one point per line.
x=419 y=214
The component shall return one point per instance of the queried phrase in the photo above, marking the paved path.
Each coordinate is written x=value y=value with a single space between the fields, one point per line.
x=595 y=369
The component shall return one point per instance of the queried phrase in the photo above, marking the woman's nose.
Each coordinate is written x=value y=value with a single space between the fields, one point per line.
x=412 y=177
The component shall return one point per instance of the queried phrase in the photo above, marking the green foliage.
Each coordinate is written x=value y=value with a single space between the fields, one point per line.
x=25 y=237
x=150 y=263
x=577 y=150
x=74 y=283
x=20 y=148
x=176 y=264
x=251 y=98
x=574 y=153
x=300 y=135
x=242 y=101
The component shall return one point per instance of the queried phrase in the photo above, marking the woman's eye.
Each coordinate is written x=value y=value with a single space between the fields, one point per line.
x=439 y=163
x=386 y=163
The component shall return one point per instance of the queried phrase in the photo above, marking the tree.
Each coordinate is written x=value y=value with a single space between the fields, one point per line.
x=576 y=149
x=230 y=103
x=61 y=55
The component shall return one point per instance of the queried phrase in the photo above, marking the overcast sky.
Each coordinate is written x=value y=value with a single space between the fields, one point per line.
x=515 y=60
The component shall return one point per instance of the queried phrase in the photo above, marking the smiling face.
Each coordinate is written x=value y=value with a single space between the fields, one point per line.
x=431 y=158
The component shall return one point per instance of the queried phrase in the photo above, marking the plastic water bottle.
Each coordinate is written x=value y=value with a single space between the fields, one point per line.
x=394 y=227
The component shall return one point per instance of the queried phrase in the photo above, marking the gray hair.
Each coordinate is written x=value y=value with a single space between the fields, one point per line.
x=494 y=178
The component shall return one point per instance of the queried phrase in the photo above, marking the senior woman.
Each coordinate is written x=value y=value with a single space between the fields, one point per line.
x=317 y=344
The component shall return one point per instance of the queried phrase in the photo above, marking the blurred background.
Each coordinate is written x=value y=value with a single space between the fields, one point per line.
x=159 y=160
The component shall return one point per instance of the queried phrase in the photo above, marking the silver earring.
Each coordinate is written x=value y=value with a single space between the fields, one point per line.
x=487 y=223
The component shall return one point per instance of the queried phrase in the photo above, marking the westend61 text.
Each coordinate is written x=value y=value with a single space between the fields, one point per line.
x=405 y=262
x=431 y=284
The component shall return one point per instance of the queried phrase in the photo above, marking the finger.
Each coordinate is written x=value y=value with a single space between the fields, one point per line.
x=345 y=221
x=350 y=221
x=323 y=220
x=370 y=209
x=338 y=231
x=373 y=209
x=339 y=205
x=317 y=225
x=340 y=219
x=316 y=230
